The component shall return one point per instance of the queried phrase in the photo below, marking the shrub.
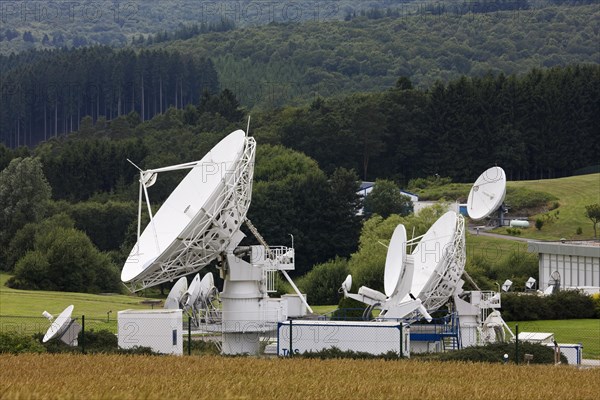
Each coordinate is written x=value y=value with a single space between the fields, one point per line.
x=539 y=223
x=565 y=304
x=596 y=300
x=102 y=341
x=579 y=231
x=334 y=352
x=494 y=353
x=12 y=342
x=520 y=198
x=320 y=283
x=201 y=347
x=349 y=309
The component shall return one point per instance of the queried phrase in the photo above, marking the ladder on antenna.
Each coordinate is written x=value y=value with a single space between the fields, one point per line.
x=257 y=235
x=269 y=274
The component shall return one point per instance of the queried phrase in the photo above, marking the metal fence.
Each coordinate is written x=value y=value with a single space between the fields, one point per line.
x=578 y=340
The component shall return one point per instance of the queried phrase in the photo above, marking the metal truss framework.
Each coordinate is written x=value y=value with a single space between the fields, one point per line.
x=210 y=236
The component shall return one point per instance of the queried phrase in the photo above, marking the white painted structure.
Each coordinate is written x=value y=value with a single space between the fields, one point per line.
x=577 y=264
x=573 y=352
x=200 y=223
x=161 y=330
x=374 y=337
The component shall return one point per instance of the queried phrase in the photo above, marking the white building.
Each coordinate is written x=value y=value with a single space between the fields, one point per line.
x=367 y=187
x=575 y=264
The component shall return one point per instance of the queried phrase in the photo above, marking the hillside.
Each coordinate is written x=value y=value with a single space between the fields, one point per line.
x=573 y=194
x=285 y=63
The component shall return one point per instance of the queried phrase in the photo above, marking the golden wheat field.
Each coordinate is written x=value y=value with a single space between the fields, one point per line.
x=212 y=377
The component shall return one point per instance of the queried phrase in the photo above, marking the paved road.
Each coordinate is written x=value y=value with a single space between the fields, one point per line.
x=473 y=231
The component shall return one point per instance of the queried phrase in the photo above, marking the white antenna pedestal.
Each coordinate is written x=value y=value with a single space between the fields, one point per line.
x=247 y=311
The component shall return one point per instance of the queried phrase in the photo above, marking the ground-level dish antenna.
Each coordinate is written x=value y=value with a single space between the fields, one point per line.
x=506 y=285
x=199 y=224
x=173 y=301
x=197 y=221
x=423 y=281
x=63 y=327
x=554 y=283
x=487 y=195
x=530 y=284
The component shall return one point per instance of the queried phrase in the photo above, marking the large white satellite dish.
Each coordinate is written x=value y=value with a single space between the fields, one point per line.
x=395 y=260
x=196 y=223
x=173 y=301
x=487 y=193
x=59 y=325
x=439 y=261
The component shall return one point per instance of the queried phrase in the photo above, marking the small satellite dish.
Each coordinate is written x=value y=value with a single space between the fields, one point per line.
x=555 y=281
x=530 y=283
x=59 y=325
x=506 y=285
x=173 y=301
x=347 y=283
x=487 y=193
x=395 y=261
x=206 y=285
x=191 y=295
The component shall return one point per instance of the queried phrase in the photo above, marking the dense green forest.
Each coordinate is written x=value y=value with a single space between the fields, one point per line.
x=282 y=64
x=39 y=25
x=50 y=94
x=540 y=125
x=375 y=92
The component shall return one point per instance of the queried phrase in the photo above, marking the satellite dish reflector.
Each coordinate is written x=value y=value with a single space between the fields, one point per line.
x=347 y=283
x=193 y=292
x=173 y=301
x=191 y=228
x=530 y=283
x=59 y=325
x=506 y=285
x=395 y=260
x=431 y=255
x=487 y=193
x=206 y=285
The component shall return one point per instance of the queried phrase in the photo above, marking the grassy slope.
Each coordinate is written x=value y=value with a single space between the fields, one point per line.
x=585 y=331
x=574 y=193
x=32 y=302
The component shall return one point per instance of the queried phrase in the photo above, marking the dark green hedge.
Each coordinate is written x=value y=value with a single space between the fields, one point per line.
x=495 y=353
x=566 y=304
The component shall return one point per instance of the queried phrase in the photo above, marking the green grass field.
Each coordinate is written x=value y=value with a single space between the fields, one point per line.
x=585 y=331
x=573 y=194
x=31 y=303
x=493 y=249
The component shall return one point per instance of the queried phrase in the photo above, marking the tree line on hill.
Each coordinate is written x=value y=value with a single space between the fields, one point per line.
x=48 y=94
x=308 y=190
x=543 y=124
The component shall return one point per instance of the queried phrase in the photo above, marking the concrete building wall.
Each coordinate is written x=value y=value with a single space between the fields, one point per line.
x=577 y=263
